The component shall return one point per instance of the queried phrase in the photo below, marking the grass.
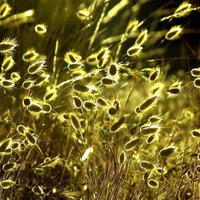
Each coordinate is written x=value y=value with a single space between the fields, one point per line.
x=99 y=100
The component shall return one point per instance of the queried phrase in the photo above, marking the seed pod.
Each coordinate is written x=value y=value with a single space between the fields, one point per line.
x=37 y=66
x=7 y=46
x=37 y=190
x=72 y=57
x=167 y=151
x=75 y=66
x=34 y=108
x=195 y=72
x=6 y=144
x=15 y=76
x=152 y=183
x=160 y=170
x=77 y=102
x=108 y=81
x=6 y=184
x=118 y=124
x=122 y=158
x=90 y=105
x=183 y=10
x=197 y=169
x=174 y=33
x=83 y=15
x=154 y=119
x=10 y=166
x=103 y=53
x=198 y=157
x=7 y=64
x=80 y=88
x=195 y=133
x=134 y=50
x=137 y=110
x=41 y=29
x=91 y=60
x=30 y=138
x=5 y=9
x=15 y=145
x=21 y=129
x=102 y=102
x=7 y=84
x=131 y=144
x=146 y=165
x=142 y=38
x=113 y=70
x=148 y=129
x=75 y=122
x=30 y=55
x=27 y=101
x=50 y=95
x=147 y=104
x=154 y=74
x=46 y=108
x=112 y=111
x=150 y=139
x=28 y=84
x=196 y=82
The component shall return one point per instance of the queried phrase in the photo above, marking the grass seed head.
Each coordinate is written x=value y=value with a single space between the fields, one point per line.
x=122 y=158
x=10 y=166
x=167 y=151
x=30 y=55
x=101 y=102
x=131 y=144
x=146 y=165
x=80 y=88
x=6 y=184
x=153 y=183
x=8 y=84
x=149 y=103
x=6 y=144
x=5 y=9
x=7 y=46
x=118 y=124
x=183 y=10
x=196 y=82
x=15 y=76
x=41 y=29
x=75 y=122
x=142 y=38
x=134 y=50
x=37 y=66
x=195 y=72
x=196 y=133
x=8 y=63
x=174 y=33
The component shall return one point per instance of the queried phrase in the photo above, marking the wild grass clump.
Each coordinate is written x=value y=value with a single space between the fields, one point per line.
x=99 y=100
